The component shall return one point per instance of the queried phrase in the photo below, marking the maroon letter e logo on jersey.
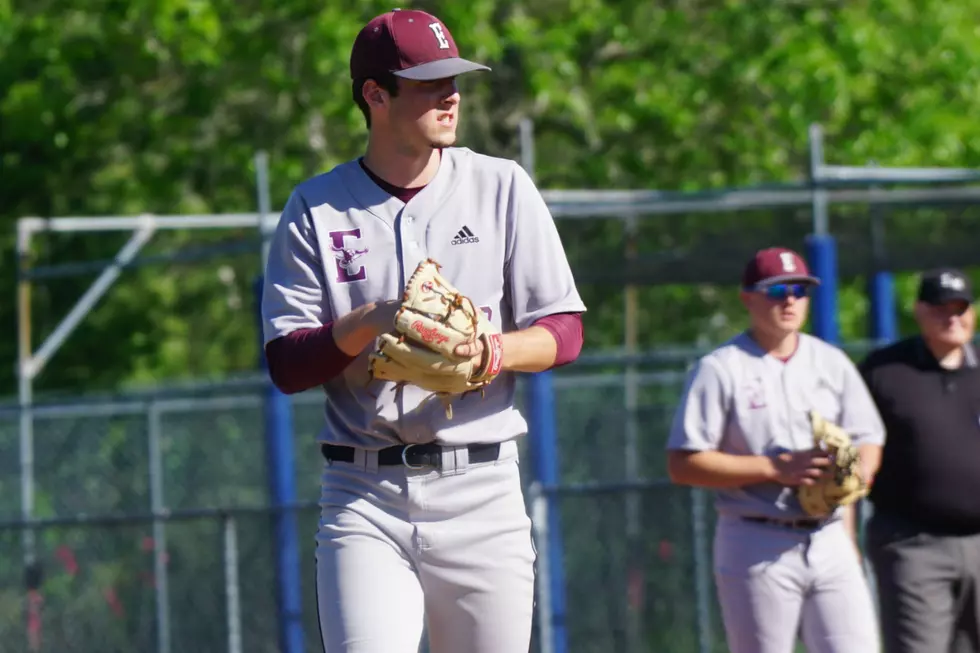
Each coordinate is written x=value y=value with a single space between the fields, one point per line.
x=347 y=269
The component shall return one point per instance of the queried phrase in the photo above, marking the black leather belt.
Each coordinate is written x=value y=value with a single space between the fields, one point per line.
x=415 y=456
x=804 y=523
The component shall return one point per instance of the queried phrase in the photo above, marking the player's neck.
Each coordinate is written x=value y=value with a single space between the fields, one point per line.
x=400 y=167
x=779 y=345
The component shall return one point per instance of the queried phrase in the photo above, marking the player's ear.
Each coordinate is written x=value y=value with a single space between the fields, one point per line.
x=374 y=95
x=744 y=296
x=919 y=311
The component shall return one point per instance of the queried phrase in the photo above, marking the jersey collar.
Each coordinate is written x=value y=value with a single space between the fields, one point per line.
x=750 y=344
x=386 y=207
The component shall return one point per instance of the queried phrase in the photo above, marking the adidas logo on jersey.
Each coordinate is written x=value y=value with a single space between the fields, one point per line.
x=465 y=236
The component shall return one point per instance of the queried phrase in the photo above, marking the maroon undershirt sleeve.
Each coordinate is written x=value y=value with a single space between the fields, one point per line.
x=305 y=358
x=569 y=334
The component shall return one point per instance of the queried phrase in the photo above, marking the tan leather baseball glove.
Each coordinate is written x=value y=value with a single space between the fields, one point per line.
x=434 y=319
x=843 y=484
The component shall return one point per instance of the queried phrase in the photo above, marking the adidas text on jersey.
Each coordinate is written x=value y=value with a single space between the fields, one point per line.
x=464 y=236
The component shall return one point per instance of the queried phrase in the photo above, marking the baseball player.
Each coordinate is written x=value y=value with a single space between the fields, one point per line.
x=423 y=520
x=744 y=428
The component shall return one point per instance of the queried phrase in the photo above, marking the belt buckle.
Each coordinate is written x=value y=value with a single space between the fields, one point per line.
x=405 y=457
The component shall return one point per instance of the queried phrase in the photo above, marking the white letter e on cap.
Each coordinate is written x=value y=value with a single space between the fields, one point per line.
x=440 y=35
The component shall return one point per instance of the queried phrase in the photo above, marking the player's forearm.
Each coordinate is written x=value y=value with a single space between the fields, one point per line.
x=552 y=341
x=849 y=519
x=715 y=469
x=849 y=515
x=870 y=461
x=529 y=350
x=304 y=359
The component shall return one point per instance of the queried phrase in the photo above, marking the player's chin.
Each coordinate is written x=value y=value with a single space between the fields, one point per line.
x=790 y=322
x=443 y=139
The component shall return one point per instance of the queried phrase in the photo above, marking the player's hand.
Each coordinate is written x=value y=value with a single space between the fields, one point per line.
x=383 y=315
x=473 y=349
x=800 y=467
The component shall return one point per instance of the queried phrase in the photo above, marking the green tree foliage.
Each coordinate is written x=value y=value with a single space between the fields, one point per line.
x=120 y=108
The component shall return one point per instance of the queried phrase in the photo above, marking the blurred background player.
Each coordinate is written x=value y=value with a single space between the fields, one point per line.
x=742 y=430
x=923 y=539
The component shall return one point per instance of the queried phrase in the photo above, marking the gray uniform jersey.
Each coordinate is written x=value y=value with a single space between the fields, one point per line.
x=740 y=400
x=343 y=242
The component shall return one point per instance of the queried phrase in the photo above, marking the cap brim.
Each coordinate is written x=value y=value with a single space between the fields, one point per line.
x=440 y=69
x=786 y=278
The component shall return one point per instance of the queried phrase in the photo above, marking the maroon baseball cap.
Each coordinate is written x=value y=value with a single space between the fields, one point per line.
x=776 y=265
x=408 y=43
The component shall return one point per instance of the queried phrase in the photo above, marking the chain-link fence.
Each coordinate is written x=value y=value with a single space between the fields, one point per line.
x=153 y=529
x=191 y=581
x=156 y=535
x=636 y=549
x=156 y=529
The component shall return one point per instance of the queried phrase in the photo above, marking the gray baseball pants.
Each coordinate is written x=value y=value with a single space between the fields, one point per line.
x=777 y=585
x=451 y=548
x=927 y=587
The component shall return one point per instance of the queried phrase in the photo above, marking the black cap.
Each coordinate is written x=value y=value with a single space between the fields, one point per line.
x=945 y=285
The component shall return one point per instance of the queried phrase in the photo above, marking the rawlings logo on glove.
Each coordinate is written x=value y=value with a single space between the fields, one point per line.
x=429 y=335
x=435 y=319
x=843 y=484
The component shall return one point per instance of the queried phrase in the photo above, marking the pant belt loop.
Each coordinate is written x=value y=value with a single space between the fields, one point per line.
x=456 y=459
x=360 y=457
x=509 y=448
x=371 y=462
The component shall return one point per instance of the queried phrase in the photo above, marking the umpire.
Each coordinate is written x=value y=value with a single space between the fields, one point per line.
x=923 y=540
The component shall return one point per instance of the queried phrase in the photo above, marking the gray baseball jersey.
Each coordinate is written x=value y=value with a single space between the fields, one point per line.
x=740 y=400
x=343 y=242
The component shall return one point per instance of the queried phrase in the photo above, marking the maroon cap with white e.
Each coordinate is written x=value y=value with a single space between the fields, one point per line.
x=408 y=43
x=776 y=265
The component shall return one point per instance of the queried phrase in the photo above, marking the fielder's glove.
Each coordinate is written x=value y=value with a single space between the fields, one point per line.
x=434 y=319
x=843 y=484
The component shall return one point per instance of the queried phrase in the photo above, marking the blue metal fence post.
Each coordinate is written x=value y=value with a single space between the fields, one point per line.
x=282 y=493
x=821 y=252
x=883 y=314
x=543 y=445
x=883 y=329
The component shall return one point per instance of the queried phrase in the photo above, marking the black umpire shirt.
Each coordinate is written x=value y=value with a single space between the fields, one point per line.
x=930 y=467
